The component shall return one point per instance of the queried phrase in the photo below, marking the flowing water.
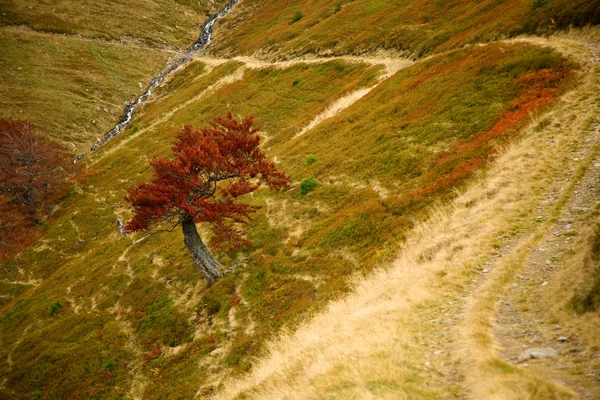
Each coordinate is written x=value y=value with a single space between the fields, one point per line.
x=204 y=39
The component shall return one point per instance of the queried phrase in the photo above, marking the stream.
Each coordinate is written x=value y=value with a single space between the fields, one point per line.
x=204 y=39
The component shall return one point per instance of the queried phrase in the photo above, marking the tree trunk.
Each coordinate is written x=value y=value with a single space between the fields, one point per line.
x=205 y=262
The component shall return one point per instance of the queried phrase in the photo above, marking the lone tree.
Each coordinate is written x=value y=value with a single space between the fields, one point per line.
x=213 y=166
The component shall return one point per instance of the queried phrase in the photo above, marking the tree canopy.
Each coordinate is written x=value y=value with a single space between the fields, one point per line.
x=212 y=167
x=32 y=180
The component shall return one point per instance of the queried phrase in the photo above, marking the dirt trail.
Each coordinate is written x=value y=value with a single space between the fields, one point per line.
x=493 y=326
x=390 y=63
x=427 y=322
x=520 y=323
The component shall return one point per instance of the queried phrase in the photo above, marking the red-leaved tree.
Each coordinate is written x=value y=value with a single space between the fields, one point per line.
x=33 y=178
x=212 y=168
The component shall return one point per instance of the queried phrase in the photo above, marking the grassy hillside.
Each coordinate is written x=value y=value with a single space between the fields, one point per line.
x=417 y=27
x=486 y=277
x=165 y=23
x=146 y=326
x=372 y=144
x=72 y=88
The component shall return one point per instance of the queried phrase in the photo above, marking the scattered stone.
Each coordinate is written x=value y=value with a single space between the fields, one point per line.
x=427 y=364
x=537 y=353
x=535 y=339
x=562 y=339
x=547 y=262
x=449 y=321
x=94 y=122
x=217 y=351
x=485 y=271
x=438 y=352
x=557 y=327
x=545 y=283
x=121 y=227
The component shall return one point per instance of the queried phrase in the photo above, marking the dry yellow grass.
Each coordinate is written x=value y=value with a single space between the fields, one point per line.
x=378 y=342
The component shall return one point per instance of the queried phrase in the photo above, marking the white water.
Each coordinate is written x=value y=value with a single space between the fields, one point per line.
x=204 y=39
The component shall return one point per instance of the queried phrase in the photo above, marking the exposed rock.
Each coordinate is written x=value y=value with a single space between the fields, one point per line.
x=121 y=227
x=537 y=353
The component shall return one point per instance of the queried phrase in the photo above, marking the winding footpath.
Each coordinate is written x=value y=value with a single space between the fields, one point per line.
x=390 y=63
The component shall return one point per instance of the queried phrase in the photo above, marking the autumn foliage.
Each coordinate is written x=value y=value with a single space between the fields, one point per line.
x=32 y=181
x=212 y=168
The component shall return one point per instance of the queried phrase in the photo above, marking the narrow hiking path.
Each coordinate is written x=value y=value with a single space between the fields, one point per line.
x=522 y=323
x=493 y=331
x=390 y=63
x=430 y=325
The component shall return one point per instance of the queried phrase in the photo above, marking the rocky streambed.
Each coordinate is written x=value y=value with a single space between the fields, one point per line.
x=203 y=40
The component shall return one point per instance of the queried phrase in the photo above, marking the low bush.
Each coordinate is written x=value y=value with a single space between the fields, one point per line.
x=55 y=307
x=296 y=17
x=308 y=185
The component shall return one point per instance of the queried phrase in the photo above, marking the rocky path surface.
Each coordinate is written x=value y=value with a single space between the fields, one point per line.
x=518 y=296
x=521 y=326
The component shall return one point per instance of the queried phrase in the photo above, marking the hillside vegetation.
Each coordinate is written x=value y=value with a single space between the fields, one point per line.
x=74 y=89
x=418 y=27
x=163 y=23
x=410 y=177
x=71 y=66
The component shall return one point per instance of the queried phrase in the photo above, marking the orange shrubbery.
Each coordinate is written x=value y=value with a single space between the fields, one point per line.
x=538 y=89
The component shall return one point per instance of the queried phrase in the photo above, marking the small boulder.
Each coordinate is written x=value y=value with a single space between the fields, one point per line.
x=537 y=353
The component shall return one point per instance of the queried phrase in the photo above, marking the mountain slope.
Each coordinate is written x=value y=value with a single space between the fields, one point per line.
x=285 y=29
x=446 y=157
x=162 y=23
x=424 y=327
x=72 y=88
